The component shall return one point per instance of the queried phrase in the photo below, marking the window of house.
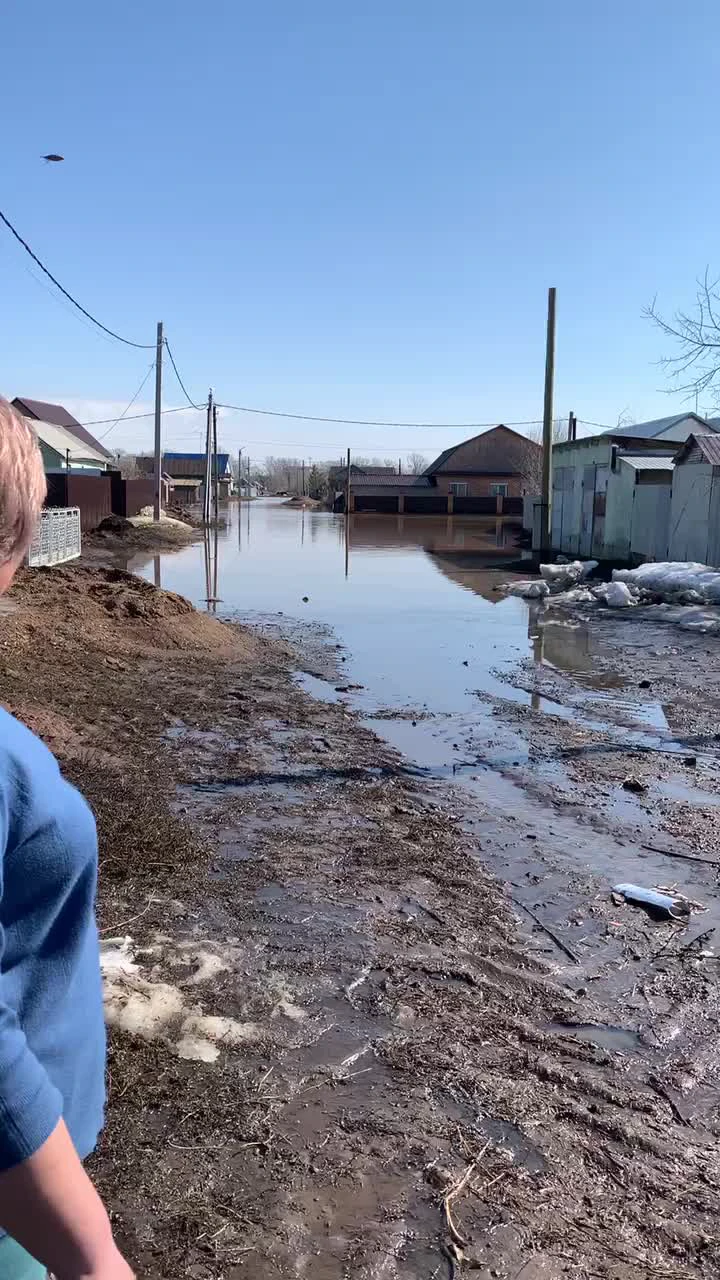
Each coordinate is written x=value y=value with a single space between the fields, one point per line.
x=458 y=489
x=498 y=491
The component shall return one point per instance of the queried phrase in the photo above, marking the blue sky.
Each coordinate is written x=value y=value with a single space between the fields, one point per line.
x=356 y=209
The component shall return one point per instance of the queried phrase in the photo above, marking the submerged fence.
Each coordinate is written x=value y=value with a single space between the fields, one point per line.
x=57 y=537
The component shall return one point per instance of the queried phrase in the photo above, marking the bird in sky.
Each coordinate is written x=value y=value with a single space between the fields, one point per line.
x=52 y=157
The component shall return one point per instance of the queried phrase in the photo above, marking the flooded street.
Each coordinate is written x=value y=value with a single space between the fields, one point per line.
x=361 y=947
x=418 y=806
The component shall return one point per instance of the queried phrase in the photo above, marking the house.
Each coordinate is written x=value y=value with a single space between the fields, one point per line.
x=57 y=415
x=498 y=463
x=186 y=473
x=63 y=451
x=694 y=531
x=611 y=493
x=486 y=475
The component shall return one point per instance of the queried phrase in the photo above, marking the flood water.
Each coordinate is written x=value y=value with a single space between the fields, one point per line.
x=414 y=602
x=435 y=648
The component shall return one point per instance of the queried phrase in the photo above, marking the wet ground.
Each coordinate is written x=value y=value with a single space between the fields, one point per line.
x=393 y=1023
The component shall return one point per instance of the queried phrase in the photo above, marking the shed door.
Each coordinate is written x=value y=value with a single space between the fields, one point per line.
x=597 y=546
x=586 y=510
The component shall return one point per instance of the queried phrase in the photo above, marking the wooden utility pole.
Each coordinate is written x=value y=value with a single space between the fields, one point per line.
x=216 y=478
x=303 y=477
x=157 y=469
x=208 y=456
x=572 y=426
x=347 y=488
x=546 y=525
x=239 y=474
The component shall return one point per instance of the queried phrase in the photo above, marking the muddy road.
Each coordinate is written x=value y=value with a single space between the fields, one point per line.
x=375 y=1011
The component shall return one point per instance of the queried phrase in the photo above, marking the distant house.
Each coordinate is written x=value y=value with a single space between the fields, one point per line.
x=186 y=474
x=62 y=451
x=611 y=493
x=485 y=475
x=498 y=463
x=695 y=508
x=57 y=415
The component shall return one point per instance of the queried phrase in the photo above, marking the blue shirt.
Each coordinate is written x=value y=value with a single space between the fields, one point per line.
x=52 y=1034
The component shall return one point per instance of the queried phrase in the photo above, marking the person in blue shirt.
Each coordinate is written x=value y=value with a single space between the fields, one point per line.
x=52 y=1036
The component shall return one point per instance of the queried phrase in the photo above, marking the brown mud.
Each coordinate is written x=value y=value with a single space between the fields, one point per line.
x=341 y=1047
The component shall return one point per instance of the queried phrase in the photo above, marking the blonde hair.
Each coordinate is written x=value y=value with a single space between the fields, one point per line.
x=22 y=484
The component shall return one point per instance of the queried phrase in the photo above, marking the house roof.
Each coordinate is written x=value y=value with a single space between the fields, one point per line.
x=389 y=481
x=649 y=462
x=658 y=426
x=64 y=443
x=709 y=447
x=506 y=450
x=57 y=415
x=187 y=465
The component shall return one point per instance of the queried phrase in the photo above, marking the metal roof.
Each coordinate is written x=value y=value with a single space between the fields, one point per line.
x=57 y=415
x=709 y=447
x=64 y=443
x=648 y=462
x=658 y=426
x=390 y=481
x=190 y=465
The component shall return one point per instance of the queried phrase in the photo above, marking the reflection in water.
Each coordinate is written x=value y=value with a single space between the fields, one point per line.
x=415 y=602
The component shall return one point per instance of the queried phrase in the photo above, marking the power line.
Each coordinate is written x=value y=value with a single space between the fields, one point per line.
x=130 y=405
x=100 y=422
x=177 y=375
x=603 y=425
x=363 y=422
x=144 y=346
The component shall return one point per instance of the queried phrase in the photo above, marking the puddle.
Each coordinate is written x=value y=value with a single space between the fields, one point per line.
x=511 y=1139
x=616 y=1039
x=679 y=790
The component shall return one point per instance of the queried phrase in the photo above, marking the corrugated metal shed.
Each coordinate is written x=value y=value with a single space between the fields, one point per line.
x=709 y=447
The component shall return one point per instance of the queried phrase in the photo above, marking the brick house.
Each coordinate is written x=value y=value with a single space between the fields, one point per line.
x=498 y=463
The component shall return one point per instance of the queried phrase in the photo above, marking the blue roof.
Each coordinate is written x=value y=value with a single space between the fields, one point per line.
x=222 y=458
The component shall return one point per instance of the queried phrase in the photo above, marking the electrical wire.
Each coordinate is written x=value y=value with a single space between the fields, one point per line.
x=363 y=422
x=100 y=422
x=602 y=425
x=130 y=405
x=182 y=384
x=144 y=346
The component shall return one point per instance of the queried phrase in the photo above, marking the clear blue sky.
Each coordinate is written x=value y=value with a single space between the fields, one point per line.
x=356 y=209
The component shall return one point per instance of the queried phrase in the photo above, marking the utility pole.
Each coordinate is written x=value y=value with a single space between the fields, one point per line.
x=546 y=522
x=216 y=479
x=347 y=488
x=239 y=474
x=208 y=465
x=303 y=477
x=157 y=471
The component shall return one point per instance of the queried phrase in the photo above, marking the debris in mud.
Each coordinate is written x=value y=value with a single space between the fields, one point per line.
x=664 y=902
x=631 y=783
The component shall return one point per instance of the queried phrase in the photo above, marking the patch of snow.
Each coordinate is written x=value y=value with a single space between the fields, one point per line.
x=563 y=576
x=696 y=583
x=531 y=590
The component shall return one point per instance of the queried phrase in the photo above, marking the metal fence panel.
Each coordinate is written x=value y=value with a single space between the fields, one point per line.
x=57 y=537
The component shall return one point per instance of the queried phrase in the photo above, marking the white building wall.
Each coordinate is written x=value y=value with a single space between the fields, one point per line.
x=569 y=463
x=689 y=511
x=650 y=523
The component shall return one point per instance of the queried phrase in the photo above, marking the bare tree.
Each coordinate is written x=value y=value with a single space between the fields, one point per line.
x=625 y=419
x=696 y=334
x=126 y=464
x=416 y=463
x=530 y=455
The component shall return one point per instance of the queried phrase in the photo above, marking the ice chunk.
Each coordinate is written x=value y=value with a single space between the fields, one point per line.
x=531 y=590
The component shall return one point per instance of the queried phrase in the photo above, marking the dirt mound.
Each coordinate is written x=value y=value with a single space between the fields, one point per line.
x=112 y=611
x=117 y=525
